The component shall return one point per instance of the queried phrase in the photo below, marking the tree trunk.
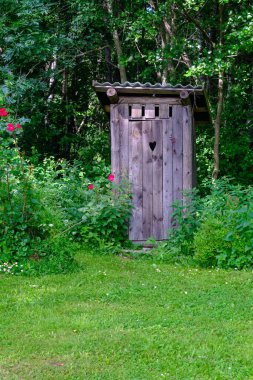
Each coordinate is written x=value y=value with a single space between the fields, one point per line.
x=117 y=43
x=52 y=82
x=108 y=64
x=217 y=125
x=51 y=66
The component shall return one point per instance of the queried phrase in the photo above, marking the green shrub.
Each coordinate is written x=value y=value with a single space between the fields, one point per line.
x=19 y=221
x=180 y=236
x=216 y=230
x=209 y=242
x=92 y=210
x=28 y=223
x=56 y=255
x=106 y=214
x=225 y=235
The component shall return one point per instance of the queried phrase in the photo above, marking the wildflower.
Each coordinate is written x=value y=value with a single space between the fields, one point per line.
x=111 y=177
x=3 y=112
x=90 y=187
x=10 y=127
x=18 y=126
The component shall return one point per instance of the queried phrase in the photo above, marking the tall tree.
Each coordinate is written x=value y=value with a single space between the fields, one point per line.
x=50 y=51
x=117 y=42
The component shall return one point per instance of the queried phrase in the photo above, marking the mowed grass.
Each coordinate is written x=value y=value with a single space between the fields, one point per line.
x=127 y=319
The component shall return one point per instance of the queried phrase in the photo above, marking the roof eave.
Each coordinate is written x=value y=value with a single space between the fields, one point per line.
x=157 y=89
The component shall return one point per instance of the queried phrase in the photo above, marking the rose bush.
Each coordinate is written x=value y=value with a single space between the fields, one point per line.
x=25 y=234
x=45 y=209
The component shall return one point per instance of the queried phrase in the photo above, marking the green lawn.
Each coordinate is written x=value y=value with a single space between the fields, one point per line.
x=128 y=320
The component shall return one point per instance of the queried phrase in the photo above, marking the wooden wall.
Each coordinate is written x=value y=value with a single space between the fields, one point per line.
x=151 y=145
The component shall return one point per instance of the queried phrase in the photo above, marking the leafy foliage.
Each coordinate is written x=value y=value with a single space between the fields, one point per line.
x=52 y=50
x=42 y=204
x=215 y=230
x=27 y=224
x=106 y=215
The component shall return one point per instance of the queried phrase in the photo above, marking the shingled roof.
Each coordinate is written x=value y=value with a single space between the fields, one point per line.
x=196 y=93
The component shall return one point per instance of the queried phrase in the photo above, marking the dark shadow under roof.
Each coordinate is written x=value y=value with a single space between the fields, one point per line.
x=196 y=93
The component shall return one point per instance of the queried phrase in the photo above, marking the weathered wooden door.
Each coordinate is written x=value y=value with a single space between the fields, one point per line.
x=146 y=176
x=147 y=147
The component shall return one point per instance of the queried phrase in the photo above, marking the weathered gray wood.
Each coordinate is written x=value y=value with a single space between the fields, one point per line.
x=157 y=180
x=167 y=175
x=123 y=141
x=187 y=148
x=159 y=177
x=164 y=111
x=136 y=111
x=185 y=99
x=177 y=141
x=115 y=160
x=135 y=177
x=147 y=180
x=184 y=94
x=112 y=95
x=194 y=168
x=144 y=90
x=149 y=100
x=149 y=111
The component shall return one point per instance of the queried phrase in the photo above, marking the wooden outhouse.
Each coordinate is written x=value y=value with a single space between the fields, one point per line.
x=153 y=145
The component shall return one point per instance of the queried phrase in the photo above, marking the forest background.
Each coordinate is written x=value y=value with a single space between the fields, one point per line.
x=50 y=51
x=55 y=176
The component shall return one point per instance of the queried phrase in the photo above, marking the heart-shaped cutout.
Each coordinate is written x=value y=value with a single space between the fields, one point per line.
x=152 y=145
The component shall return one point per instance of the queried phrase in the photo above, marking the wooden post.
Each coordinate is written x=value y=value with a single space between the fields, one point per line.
x=187 y=148
x=112 y=95
x=185 y=99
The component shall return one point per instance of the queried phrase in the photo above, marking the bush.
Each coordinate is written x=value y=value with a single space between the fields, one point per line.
x=28 y=224
x=56 y=256
x=186 y=221
x=106 y=214
x=225 y=235
x=216 y=230
x=209 y=242
x=92 y=210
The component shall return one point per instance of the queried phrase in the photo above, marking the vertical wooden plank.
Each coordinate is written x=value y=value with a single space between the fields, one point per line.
x=177 y=141
x=194 y=166
x=164 y=111
x=149 y=111
x=157 y=179
x=147 y=180
x=135 y=176
x=167 y=176
x=115 y=167
x=187 y=148
x=136 y=111
x=123 y=141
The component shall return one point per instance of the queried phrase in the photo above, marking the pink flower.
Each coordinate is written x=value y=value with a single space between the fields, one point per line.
x=90 y=186
x=10 y=127
x=18 y=126
x=111 y=177
x=3 y=112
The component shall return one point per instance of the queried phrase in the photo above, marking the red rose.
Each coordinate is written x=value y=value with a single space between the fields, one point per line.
x=111 y=177
x=3 y=112
x=18 y=126
x=90 y=186
x=10 y=127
